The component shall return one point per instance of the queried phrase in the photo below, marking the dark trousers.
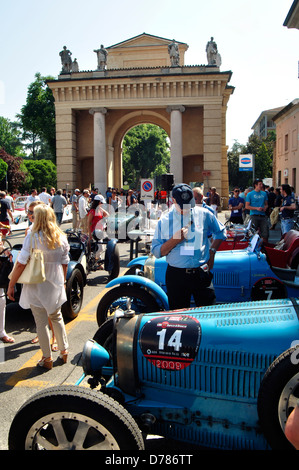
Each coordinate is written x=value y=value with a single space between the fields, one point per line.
x=181 y=285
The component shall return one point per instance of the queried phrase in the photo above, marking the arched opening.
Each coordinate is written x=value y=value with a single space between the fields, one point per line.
x=145 y=154
x=122 y=126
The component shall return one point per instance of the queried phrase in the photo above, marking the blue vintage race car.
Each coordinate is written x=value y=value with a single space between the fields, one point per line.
x=238 y=276
x=222 y=377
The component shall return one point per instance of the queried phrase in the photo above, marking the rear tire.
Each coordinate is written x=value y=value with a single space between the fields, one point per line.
x=74 y=292
x=116 y=264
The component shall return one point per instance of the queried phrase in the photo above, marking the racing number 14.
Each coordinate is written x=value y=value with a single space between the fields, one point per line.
x=173 y=342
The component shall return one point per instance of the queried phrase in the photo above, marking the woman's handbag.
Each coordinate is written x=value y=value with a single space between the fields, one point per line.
x=6 y=266
x=34 y=272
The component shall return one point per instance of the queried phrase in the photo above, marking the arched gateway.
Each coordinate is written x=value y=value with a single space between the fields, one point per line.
x=141 y=80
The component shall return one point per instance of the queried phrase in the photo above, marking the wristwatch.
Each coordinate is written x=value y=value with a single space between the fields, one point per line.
x=213 y=250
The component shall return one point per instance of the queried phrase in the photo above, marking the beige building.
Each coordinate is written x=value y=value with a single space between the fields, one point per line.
x=141 y=80
x=287 y=146
x=264 y=123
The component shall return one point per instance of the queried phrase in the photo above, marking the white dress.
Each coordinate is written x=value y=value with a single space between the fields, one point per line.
x=50 y=294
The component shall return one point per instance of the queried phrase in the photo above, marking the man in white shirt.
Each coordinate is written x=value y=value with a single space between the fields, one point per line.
x=44 y=196
x=83 y=210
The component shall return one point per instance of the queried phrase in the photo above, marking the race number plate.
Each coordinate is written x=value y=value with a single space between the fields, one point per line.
x=170 y=342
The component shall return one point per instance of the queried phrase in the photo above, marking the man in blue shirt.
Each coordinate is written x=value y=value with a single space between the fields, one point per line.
x=287 y=209
x=236 y=205
x=182 y=236
x=257 y=203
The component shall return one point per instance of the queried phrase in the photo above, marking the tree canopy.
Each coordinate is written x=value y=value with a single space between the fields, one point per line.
x=145 y=153
x=262 y=149
x=10 y=137
x=37 y=119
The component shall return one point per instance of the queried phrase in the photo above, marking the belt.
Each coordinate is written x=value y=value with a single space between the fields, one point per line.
x=258 y=215
x=187 y=270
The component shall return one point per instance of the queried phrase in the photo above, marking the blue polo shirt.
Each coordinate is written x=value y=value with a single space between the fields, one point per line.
x=257 y=199
x=235 y=201
x=193 y=251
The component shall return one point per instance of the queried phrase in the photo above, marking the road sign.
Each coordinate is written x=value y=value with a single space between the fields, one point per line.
x=246 y=162
x=147 y=189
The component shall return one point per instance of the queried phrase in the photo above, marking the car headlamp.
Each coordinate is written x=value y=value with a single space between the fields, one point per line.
x=94 y=357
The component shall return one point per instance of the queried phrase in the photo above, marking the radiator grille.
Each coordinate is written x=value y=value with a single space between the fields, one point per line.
x=215 y=372
x=226 y=279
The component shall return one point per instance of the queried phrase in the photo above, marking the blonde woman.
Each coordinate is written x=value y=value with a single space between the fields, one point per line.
x=45 y=299
x=31 y=220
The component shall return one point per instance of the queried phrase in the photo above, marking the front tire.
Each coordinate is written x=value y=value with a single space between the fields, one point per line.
x=141 y=302
x=278 y=395
x=73 y=418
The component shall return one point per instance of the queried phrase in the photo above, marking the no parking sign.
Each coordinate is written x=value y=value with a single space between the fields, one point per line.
x=147 y=189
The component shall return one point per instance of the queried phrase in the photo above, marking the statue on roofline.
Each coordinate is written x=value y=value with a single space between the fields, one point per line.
x=102 y=55
x=68 y=65
x=173 y=51
x=213 y=56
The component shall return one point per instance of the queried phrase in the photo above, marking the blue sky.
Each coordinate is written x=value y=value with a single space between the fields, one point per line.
x=261 y=53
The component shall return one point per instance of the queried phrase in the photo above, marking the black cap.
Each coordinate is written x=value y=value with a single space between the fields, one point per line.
x=183 y=195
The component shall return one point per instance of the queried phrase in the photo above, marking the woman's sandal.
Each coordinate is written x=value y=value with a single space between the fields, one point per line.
x=46 y=363
x=63 y=356
x=7 y=339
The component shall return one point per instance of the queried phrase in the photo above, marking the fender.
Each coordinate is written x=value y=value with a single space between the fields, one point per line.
x=111 y=244
x=294 y=255
x=73 y=265
x=140 y=261
x=151 y=286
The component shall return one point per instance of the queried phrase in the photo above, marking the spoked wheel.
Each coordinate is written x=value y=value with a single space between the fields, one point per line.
x=141 y=302
x=74 y=293
x=73 y=418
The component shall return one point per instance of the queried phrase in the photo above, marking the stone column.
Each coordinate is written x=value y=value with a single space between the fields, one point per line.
x=176 y=142
x=99 y=139
x=66 y=148
x=212 y=135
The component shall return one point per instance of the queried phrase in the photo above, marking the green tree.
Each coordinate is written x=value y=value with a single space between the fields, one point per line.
x=39 y=173
x=145 y=153
x=262 y=149
x=3 y=169
x=37 y=117
x=10 y=137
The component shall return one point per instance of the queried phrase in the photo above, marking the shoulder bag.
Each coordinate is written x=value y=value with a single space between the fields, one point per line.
x=34 y=272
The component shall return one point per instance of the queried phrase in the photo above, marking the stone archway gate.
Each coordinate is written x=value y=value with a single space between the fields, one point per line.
x=95 y=109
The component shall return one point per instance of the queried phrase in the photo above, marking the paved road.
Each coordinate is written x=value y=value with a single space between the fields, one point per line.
x=20 y=378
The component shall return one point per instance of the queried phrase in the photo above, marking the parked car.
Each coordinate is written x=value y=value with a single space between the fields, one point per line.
x=20 y=219
x=84 y=258
x=221 y=377
x=122 y=221
x=238 y=275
